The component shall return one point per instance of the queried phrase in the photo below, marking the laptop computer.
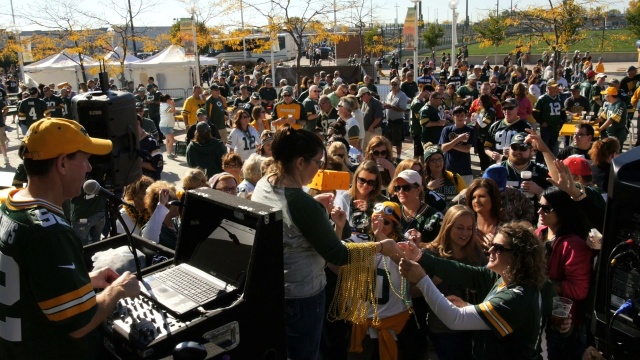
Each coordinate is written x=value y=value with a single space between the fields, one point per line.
x=215 y=269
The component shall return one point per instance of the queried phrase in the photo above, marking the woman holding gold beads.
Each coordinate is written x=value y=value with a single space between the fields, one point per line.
x=309 y=239
x=396 y=333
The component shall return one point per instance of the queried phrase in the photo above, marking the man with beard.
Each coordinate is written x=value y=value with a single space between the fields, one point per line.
x=66 y=103
x=468 y=92
x=520 y=159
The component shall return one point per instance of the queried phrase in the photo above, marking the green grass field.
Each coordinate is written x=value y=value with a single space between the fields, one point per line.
x=615 y=41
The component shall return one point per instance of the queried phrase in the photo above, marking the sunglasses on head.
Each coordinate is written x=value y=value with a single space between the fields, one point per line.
x=379 y=153
x=363 y=181
x=405 y=188
x=519 y=147
x=546 y=208
x=499 y=248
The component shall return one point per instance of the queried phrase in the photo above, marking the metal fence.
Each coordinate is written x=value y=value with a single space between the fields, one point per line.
x=176 y=93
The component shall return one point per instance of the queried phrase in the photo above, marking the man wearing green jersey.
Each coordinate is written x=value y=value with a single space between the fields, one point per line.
x=614 y=115
x=549 y=113
x=48 y=305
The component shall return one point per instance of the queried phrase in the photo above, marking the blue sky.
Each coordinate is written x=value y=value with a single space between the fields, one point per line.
x=383 y=10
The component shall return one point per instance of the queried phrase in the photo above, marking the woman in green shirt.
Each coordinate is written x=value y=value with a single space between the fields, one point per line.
x=309 y=239
x=508 y=320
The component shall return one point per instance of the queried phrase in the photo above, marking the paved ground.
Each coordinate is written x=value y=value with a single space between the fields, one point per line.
x=174 y=169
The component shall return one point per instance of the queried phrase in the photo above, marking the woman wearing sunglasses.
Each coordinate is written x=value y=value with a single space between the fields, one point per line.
x=359 y=200
x=445 y=183
x=456 y=241
x=243 y=138
x=379 y=150
x=419 y=219
x=508 y=321
x=397 y=334
x=309 y=239
x=563 y=230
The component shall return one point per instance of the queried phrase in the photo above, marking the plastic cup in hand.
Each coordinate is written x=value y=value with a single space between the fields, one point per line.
x=560 y=310
x=526 y=176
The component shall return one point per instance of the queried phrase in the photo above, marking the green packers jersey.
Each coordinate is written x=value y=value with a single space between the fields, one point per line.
x=513 y=313
x=549 y=110
x=46 y=292
x=500 y=133
x=618 y=113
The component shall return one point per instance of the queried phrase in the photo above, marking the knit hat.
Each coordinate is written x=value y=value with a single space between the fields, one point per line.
x=497 y=173
x=430 y=150
x=389 y=210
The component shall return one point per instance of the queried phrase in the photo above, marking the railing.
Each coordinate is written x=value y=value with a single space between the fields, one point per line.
x=176 y=93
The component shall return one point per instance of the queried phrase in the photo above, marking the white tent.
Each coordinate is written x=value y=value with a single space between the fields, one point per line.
x=171 y=69
x=117 y=54
x=57 y=68
x=205 y=61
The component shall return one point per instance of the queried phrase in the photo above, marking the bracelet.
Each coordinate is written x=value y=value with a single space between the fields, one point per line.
x=581 y=197
x=419 y=256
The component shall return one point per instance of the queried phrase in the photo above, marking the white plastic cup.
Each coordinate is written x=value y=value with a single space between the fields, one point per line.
x=560 y=311
x=526 y=176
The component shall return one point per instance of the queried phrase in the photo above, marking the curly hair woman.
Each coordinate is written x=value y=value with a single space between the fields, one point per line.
x=508 y=320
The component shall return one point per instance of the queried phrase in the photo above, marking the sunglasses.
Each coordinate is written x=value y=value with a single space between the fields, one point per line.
x=287 y=95
x=363 y=181
x=580 y=135
x=546 y=208
x=499 y=248
x=386 y=222
x=405 y=188
x=316 y=91
x=508 y=108
x=519 y=147
x=436 y=160
x=379 y=153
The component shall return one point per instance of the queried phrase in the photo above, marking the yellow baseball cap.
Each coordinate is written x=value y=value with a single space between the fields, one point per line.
x=50 y=138
x=610 y=91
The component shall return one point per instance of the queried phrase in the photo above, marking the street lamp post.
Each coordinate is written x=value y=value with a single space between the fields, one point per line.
x=453 y=5
x=195 y=43
x=416 y=39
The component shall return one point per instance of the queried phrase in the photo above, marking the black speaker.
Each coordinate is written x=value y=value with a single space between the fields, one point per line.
x=618 y=270
x=111 y=115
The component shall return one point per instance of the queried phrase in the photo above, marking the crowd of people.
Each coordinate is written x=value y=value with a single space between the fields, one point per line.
x=496 y=247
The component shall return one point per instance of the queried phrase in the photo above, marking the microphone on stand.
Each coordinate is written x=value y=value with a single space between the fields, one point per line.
x=92 y=187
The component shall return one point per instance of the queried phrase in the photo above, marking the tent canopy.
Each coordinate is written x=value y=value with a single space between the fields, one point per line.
x=117 y=54
x=63 y=59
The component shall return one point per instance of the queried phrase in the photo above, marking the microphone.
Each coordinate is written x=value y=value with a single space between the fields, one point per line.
x=92 y=187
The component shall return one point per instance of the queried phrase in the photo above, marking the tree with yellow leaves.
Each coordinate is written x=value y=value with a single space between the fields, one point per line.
x=491 y=32
x=558 y=25
x=633 y=17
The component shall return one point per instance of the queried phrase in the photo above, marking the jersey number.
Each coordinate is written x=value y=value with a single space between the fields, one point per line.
x=47 y=219
x=251 y=144
x=554 y=109
x=32 y=113
x=10 y=328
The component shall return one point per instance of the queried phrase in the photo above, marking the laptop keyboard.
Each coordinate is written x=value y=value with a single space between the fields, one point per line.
x=188 y=284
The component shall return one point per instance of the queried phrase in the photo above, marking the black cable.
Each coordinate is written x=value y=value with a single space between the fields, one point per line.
x=232 y=236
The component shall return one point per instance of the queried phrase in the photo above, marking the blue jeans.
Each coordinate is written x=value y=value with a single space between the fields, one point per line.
x=303 y=323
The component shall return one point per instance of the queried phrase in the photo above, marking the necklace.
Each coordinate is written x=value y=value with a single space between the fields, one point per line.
x=518 y=169
x=403 y=288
